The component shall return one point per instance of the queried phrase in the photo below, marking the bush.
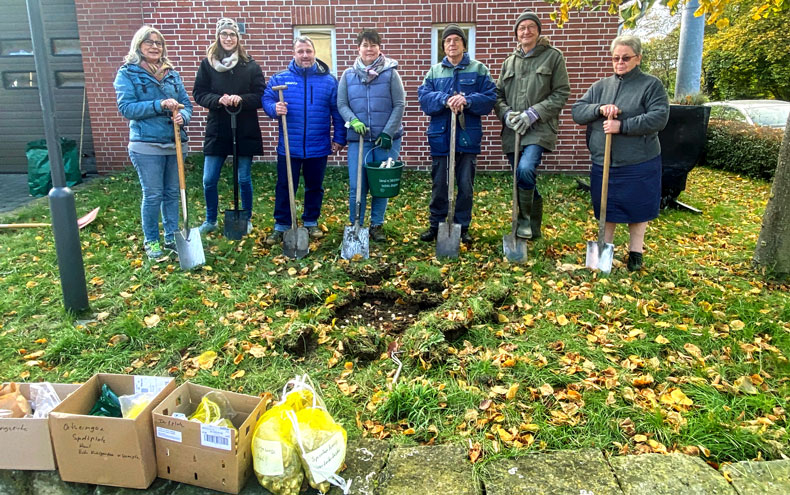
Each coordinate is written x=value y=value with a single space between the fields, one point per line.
x=743 y=149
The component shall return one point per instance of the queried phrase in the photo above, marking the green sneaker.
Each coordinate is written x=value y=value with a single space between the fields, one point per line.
x=153 y=250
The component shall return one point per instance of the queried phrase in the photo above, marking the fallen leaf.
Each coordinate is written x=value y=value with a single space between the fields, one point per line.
x=151 y=320
x=661 y=340
x=237 y=374
x=475 y=452
x=512 y=391
x=206 y=360
x=737 y=325
x=546 y=389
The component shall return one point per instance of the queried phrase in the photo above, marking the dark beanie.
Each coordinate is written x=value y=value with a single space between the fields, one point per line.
x=453 y=29
x=527 y=14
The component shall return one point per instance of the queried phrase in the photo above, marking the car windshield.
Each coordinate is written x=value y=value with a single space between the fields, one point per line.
x=774 y=116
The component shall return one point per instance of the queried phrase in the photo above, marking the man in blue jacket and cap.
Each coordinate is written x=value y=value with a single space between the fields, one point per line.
x=462 y=86
x=310 y=108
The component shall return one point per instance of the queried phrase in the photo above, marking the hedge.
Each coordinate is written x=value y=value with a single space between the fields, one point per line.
x=743 y=149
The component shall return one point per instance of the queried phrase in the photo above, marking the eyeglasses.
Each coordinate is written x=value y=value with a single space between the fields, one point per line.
x=225 y=36
x=160 y=44
x=624 y=58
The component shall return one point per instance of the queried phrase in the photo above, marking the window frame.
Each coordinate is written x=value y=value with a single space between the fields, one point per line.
x=26 y=54
x=322 y=28
x=471 y=39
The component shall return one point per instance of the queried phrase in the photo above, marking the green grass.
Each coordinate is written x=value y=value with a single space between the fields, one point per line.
x=573 y=342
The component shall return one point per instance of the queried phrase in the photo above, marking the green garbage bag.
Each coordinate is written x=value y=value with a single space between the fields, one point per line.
x=39 y=180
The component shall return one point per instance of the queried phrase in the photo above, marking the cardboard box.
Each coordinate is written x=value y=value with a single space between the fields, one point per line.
x=26 y=443
x=211 y=457
x=107 y=451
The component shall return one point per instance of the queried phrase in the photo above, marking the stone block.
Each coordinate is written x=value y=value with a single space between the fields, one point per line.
x=435 y=469
x=760 y=478
x=672 y=474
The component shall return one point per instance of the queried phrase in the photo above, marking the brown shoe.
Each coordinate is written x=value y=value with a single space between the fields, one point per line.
x=315 y=232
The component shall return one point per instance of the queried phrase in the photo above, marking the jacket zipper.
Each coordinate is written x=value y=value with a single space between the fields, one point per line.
x=304 y=128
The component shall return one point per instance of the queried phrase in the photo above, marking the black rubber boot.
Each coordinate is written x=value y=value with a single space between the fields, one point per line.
x=634 y=261
x=430 y=234
x=524 y=229
x=536 y=219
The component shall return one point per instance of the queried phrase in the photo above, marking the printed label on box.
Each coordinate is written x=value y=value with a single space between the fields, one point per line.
x=267 y=458
x=149 y=384
x=326 y=459
x=179 y=415
x=215 y=436
x=167 y=434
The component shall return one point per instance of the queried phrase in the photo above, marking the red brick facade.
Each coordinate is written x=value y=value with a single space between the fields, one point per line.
x=106 y=28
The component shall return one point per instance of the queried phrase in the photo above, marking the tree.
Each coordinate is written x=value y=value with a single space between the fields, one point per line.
x=772 y=253
x=659 y=58
x=749 y=59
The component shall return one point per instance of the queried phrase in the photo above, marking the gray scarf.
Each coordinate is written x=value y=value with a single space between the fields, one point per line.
x=226 y=63
x=368 y=73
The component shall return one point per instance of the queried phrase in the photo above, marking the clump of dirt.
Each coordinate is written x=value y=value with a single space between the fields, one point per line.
x=371 y=274
x=300 y=342
x=383 y=313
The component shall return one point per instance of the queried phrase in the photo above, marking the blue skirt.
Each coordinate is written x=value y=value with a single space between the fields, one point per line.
x=634 y=191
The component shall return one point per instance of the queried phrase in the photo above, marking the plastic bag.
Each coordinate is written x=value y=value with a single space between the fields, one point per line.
x=44 y=399
x=107 y=404
x=12 y=403
x=215 y=410
x=132 y=405
x=39 y=179
x=275 y=458
x=321 y=442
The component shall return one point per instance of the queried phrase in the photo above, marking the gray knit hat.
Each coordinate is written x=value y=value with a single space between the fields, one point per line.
x=527 y=15
x=453 y=29
x=227 y=23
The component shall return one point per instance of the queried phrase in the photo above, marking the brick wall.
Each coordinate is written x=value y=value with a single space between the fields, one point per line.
x=106 y=28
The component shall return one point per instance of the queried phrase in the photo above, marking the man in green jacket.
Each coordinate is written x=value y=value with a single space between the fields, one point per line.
x=531 y=90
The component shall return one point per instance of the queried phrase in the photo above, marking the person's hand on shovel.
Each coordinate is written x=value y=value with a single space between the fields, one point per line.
x=230 y=100
x=456 y=103
x=611 y=125
x=172 y=105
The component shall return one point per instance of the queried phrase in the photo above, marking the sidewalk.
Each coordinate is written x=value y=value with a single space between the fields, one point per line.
x=378 y=468
x=14 y=192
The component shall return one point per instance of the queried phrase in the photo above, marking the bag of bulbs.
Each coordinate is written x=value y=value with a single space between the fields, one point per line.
x=297 y=433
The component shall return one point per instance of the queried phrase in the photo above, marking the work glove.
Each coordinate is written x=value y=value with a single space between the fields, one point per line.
x=384 y=141
x=511 y=118
x=358 y=126
x=526 y=119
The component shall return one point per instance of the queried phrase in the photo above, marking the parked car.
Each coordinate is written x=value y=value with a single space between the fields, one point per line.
x=770 y=113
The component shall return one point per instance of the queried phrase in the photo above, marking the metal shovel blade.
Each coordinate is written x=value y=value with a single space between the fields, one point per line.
x=235 y=226
x=599 y=256
x=448 y=240
x=296 y=243
x=190 y=249
x=515 y=248
x=356 y=240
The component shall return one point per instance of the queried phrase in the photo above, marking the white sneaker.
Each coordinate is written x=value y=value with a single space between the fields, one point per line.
x=249 y=226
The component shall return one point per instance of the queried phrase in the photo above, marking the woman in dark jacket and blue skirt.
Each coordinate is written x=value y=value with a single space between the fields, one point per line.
x=633 y=107
x=228 y=78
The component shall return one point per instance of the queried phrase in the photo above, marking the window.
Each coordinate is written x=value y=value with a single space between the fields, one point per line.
x=16 y=48
x=324 y=40
x=437 y=50
x=20 y=80
x=69 y=79
x=66 y=46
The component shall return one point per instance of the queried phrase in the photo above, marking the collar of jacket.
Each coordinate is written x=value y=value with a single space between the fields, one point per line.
x=630 y=74
x=542 y=44
x=461 y=65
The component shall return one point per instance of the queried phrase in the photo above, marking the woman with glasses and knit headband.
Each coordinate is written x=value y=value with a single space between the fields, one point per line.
x=228 y=80
x=633 y=107
x=148 y=90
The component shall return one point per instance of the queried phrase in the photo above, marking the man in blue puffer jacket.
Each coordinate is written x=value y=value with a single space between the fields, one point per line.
x=310 y=108
x=456 y=84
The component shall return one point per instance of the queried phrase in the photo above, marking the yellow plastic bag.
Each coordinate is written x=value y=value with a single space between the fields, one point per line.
x=215 y=410
x=322 y=445
x=275 y=459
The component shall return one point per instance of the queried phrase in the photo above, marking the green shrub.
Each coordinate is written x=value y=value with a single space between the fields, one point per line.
x=743 y=149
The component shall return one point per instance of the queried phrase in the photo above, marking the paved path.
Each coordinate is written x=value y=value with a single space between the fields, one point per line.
x=13 y=192
x=382 y=469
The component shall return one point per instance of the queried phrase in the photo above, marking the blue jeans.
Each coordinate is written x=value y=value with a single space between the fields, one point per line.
x=212 y=166
x=377 y=205
x=159 y=180
x=465 y=180
x=313 y=169
x=528 y=163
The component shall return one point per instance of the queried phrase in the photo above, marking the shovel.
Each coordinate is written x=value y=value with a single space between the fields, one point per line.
x=188 y=243
x=515 y=248
x=81 y=222
x=296 y=242
x=356 y=238
x=235 y=225
x=448 y=238
x=601 y=253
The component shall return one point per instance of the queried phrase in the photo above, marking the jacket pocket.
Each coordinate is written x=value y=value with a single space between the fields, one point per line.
x=544 y=70
x=471 y=136
x=438 y=137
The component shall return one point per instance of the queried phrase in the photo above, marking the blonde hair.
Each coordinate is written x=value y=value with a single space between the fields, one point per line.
x=135 y=55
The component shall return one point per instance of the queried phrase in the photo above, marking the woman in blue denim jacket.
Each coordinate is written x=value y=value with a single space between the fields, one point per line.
x=148 y=89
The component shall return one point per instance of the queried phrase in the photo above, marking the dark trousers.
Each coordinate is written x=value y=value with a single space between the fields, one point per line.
x=465 y=164
x=313 y=170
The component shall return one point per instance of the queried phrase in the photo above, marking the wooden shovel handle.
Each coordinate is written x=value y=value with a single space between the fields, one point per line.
x=182 y=184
